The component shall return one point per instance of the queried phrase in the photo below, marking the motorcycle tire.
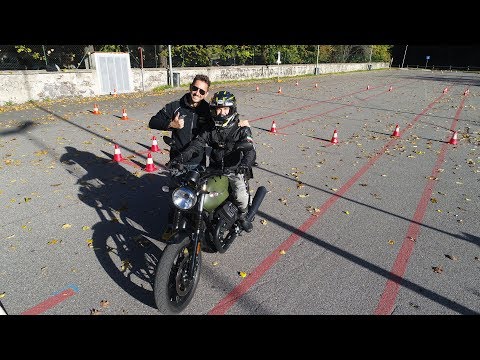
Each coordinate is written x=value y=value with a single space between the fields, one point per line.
x=172 y=288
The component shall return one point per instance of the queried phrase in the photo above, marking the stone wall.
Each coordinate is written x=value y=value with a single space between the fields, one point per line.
x=21 y=86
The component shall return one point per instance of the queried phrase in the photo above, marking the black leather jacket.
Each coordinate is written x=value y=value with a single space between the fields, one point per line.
x=222 y=141
x=195 y=119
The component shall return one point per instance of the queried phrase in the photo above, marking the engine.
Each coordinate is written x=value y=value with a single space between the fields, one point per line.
x=226 y=215
x=223 y=230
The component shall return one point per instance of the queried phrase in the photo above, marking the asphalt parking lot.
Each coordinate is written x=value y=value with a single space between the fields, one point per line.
x=373 y=225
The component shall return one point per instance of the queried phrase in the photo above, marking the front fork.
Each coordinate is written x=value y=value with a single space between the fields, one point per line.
x=195 y=236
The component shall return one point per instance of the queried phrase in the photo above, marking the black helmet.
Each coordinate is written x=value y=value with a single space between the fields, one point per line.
x=223 y=99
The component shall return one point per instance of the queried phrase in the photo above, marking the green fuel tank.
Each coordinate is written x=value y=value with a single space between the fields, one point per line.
x=217 y=186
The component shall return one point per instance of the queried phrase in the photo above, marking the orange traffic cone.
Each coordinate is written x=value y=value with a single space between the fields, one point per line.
x=390 y=88
x=117 y=156
x=396 y=133
x=273 y=129
x=453 y=140
x=154 y=147
x=124 y=114
x=257 y=88
x=334 y=139
x=280 y=90
x=95 y=109
x=150 y=165
x=445 y=90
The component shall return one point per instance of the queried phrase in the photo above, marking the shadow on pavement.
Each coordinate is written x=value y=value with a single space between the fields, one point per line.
x=132 y=209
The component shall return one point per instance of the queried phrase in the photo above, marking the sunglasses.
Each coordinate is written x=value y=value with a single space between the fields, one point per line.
x=201 y=91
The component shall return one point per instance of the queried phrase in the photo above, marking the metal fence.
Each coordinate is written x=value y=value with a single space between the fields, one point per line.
x=57 y=57
x=54 y=57
x=441 y=67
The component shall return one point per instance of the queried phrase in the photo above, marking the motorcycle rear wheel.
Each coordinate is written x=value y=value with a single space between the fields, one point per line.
x=173 y=289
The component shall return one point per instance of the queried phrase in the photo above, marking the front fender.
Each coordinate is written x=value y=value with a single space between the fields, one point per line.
x=178 y=237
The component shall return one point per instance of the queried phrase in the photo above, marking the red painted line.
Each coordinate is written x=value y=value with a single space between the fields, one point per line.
x=313 y=116
x=387 y=299
x=130 y=163
x=316 y=103
x=335 y=109
x=50 y=302
x=134 y=165
x=145 y=152
x=228 y=301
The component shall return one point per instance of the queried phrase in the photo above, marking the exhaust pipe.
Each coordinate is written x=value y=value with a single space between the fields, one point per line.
x=257 y=200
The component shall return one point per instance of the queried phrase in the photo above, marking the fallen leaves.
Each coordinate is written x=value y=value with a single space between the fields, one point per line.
x=313 y=210
x=125 y=265
x=437 y=269
x=66 y=226
x=41 y=152
x=242 y=274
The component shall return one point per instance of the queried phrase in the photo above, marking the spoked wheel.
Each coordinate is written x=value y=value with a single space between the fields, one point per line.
x=173 y=288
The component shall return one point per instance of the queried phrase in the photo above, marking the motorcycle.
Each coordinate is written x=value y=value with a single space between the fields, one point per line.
x=205 y=219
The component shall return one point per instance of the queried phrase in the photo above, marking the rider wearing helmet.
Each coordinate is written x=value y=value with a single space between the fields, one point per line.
x=224 y=136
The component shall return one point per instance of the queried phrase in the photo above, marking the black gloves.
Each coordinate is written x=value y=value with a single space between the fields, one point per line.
x=174 y=164
x=242 y=169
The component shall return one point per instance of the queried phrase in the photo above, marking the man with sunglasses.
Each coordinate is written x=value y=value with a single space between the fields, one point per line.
x=185 y=117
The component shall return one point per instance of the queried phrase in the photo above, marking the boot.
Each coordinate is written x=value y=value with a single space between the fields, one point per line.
x=242 y=216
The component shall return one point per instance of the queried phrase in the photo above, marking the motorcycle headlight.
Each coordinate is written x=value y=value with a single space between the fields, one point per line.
x=184 y=198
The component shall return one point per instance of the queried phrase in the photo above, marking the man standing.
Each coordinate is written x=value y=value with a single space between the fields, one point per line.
x=185 y=117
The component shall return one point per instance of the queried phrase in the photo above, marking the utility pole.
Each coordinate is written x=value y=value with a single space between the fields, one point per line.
x=170 y=64
x=141 y=65
x=405 y=53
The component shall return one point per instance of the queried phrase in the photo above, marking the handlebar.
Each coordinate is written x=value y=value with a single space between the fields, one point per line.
x=201 y=169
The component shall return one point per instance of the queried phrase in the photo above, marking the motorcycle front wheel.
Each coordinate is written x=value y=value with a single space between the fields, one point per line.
x=173 y=288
